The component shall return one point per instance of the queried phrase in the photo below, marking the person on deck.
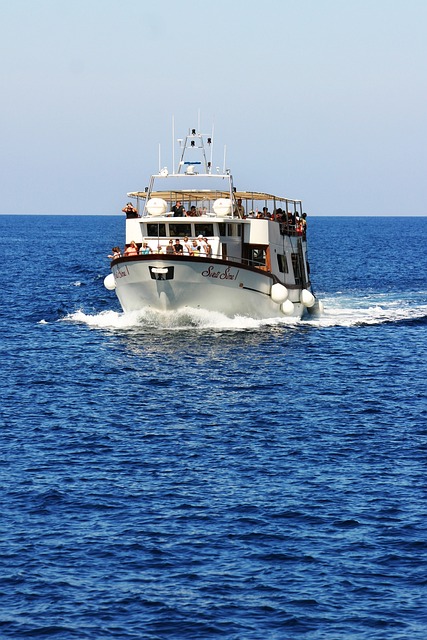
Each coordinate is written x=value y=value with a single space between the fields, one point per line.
x=239 y=209
x=116 y=253
x=178 y=248
x=186 y=247
x=145 y=249
x=169 y=247
x=208 y=247
x=178 y=210
x=202 y=246
x=130 y=211
x=132 y=249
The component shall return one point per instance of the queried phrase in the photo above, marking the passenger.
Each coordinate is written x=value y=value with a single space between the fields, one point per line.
x=186 y=247
x=178 y=210
x=265 y=213
x=239 y=209
x=169 y=247
x=208 y=248
x=116 y=253
x=304 y=226
x=130 y=211
x=178 y=248
x=192 y=212
x=159 y=249
x=195 y=249
x=132 y=249
x=145 y=249
x=202 y=246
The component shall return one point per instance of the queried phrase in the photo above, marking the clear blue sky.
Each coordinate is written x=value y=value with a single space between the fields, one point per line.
x=323 y=100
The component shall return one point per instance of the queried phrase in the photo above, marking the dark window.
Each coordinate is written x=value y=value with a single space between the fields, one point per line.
x=283 y=264
x=257 y=256
x=155 y=230
x=296 y=264
x=205 y=229
x=180 y=230
x=234 y=230
x=221 y=228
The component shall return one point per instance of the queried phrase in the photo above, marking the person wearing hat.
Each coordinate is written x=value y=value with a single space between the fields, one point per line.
x=202 y=246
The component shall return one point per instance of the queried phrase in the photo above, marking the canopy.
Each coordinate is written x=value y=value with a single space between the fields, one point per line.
x=208 y=194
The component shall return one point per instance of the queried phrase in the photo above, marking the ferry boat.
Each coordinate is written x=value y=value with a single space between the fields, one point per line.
x=194 y=241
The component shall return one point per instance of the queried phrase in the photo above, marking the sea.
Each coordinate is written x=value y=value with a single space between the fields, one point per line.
x=189 y=476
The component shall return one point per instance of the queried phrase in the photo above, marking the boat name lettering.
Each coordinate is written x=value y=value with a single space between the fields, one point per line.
x=221 y=275
x=121 y=272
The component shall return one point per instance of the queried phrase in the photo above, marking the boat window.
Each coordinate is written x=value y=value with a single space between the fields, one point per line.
x=234 y=230
x=179 y=230
x=205 y=229
x=221 y=228
x=155 y=230
x=257 y=256
x=296 y=264
x=283 y=264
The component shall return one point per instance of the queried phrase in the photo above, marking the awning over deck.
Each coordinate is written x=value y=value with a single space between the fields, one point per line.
x=208 y=194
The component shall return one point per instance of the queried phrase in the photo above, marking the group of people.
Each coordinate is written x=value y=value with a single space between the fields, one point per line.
x=197 y=247
x=288 y=218
x=179 y=211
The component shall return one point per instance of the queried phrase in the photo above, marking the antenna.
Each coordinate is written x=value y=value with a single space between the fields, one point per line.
x=173 y=144
x=160 y=164
x=212 y=143
x=225 y=153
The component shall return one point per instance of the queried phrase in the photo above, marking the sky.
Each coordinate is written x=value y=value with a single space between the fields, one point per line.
x=319 y=100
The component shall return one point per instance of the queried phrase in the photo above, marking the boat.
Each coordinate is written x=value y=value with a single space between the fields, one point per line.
x=194 y=241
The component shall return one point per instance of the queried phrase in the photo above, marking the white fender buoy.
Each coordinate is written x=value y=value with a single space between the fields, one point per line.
x=157 y=206
x=109 y=282
x=287 y=307
x=307 y=298
x=279 y=293
x=222 y=207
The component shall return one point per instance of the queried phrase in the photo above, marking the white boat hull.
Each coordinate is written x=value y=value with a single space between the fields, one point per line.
x=169 y=284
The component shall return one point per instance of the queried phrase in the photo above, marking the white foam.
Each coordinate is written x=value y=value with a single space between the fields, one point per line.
x=345 y=311
x=184 y=319
x=340 y=311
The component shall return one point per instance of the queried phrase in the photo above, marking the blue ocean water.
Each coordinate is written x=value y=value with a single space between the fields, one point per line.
x=190 y=476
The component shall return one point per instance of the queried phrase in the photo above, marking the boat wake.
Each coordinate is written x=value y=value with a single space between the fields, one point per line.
x=340 y=311
x=354 y=311
x=181 y=320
